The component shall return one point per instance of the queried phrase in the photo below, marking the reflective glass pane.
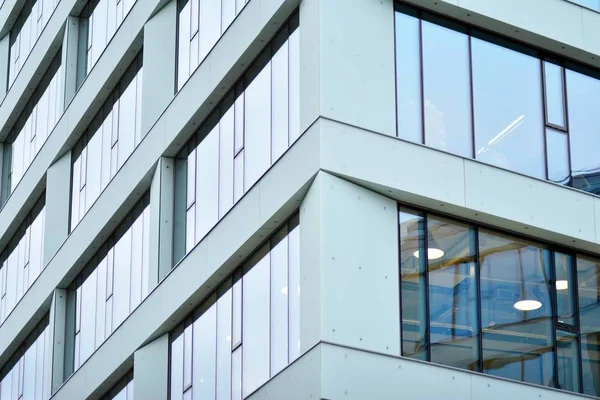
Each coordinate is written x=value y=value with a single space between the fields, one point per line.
x=516 y=311
x=255 y=323
x=207 y=184
x=564 y=288
x=452 y=294
x=555 y=100
x=294 y=292
x=568 y=360
x=447 y=89
x=236 y=374
x=226 y=162
x=588 y=281
x=177 y=368
x=205 y=353
x=279 y=301
x=279 y=97
x=224 y=346
x=408 y=75
x=412 y=275
x=507 y=100
x=583 y=95
x=210 y=25
x=557 y=145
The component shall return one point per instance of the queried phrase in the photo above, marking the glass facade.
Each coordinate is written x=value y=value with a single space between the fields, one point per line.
x=111 y=286
x=25 y=376
x=485 y=301
x=200 y=25
x=34 y=125
x=24 y=34
x=591 y=4
x=469 y=93
x=245 y=332
x=245 y=135
x=98 y=23
x=110 y=139
x=22 y=260
x=123 y=390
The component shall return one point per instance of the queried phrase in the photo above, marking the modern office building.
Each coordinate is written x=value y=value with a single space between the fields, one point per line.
x=299 y=199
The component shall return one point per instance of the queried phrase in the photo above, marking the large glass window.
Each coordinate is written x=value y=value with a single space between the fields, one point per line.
x=25 y=375
x=200 y=25
x=98 y=23
x=245 y=135
x=111 y=286
x=33 y=126
x=591 y=4
x=242 y=336
x=24 y=34
x=108 y=142
x=480 y=300
x=22 y=260
x=477 y=95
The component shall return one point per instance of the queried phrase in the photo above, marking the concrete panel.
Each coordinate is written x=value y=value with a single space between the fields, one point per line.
x=151 y=370
x=161 y=221
x=359 y=288
x=357 y=65
x=358 y=375
x=58 y=205
x=417 y=171
x=70 y=57
x=489 y=388
x=310 y=266
x=591 y=30
x=8 y=14
x=160 y=56
x=529 y=202
x=58 y=315
x=301 y=380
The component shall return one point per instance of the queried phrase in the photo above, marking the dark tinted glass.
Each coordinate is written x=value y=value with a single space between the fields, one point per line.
x=588 y=281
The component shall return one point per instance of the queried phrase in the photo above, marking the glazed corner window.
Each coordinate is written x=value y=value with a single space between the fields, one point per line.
x=25 y=375
x=27 y=29
x=110 y=287
x=123 y=390
x=108 y=142
x=485 y=301
x=200 y=25
x=246 y=134
x=98 y=23
x=32 y=128
x=247 y=331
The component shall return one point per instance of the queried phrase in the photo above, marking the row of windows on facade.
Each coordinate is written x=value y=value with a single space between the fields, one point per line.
x=246 y=331
x=485 y=301
x=27 y=375
x=465 y=92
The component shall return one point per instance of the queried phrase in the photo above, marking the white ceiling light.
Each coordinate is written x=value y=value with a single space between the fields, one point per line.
x=432 y=253
x=284 y=290
x=527 y=305
x=562 y=284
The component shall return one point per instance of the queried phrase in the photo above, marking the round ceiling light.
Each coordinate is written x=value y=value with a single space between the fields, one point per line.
x=432 y=253
x=562 y=284
x=527 y=305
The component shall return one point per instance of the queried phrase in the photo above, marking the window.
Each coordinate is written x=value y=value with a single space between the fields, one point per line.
x=99 y=21
x=591 y=4
x=24 y=34
x=243 y=137
x=200 y=25
x=510 y=106
x=108 y=142
x=24 y=376
x=485 y=301
x=246 y=331
x=111 y=286
x=22 y=260
x=34 y=125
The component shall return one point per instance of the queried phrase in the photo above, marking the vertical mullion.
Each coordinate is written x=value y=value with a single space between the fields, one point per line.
x=575 y=299
x=478 y=288
x=545 y=134
x=425 y=247
x=473 y=153
x=397 y=133
x=554 y=318
x=422 y=90
x=400 y=276
x=566 y=111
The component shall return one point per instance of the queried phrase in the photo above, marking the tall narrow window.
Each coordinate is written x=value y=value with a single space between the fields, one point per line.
x=27 y=29
x=123 y=390
x=111 y=286
x=241 y=335
x=251 y=128
x=107 y=143
x=33 y=126
x=588 y=280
